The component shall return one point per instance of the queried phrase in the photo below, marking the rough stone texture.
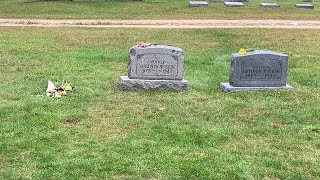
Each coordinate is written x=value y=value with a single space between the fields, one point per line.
x=126 y=83
x=269 y=5
x=229 y=88
x=198 y=4
x=154 y=67
x=306 y=6
x=259 y=69
x=233 y=4
x=156 y=62
x=228 y=0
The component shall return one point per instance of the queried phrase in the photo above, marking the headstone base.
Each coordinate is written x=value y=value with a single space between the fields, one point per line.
x=229 y=88
x=126 y=83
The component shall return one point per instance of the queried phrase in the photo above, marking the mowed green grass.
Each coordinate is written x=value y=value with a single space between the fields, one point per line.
x=101 y=132
x=152 y=9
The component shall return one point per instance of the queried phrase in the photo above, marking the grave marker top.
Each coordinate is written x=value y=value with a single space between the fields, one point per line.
x=156 y=62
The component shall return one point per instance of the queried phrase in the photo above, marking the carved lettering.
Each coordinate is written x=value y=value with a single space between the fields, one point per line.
x=157 y=65
x=253 y=70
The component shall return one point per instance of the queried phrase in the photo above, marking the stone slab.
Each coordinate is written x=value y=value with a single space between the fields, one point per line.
x=228 y=0
x=198 y=4
x=160 y=62
x=260 y=68
x=269 y=5
x=226 y=87
x=125 y=83
x=233 y=4
x=305 y=6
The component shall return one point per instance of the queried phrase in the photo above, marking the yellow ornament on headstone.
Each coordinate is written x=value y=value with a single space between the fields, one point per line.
x=242 y=52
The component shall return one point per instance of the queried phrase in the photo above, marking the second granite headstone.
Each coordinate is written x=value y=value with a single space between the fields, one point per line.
x=258 y=70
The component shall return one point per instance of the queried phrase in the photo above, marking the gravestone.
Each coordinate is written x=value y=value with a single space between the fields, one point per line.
x=233 y=4
x=228 y=0
x=305 y=6
x=154 y=67
x=258 y=70
x=269 y=5
x=198 y=4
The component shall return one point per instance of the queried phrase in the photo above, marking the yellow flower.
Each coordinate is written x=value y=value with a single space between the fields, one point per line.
x=242 y=52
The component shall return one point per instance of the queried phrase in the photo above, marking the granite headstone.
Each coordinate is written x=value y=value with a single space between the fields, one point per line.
x=269 y=5
x=258 y=70
x=233 y=4
x=155 y=67
x=305 y=6
x=198 y=4
x=228 y=0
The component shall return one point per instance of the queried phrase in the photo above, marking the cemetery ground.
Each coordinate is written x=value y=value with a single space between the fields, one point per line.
x=101 y=132
x=152 y=9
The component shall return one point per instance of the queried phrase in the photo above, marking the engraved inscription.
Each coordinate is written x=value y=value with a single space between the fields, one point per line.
x=155 y=64
x=258 y=70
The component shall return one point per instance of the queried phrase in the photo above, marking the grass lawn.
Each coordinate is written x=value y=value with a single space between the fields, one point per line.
x=152 y=9
x=100 y=132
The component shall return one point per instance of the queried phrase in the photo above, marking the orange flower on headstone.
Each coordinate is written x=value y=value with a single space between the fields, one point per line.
x=142 y=44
